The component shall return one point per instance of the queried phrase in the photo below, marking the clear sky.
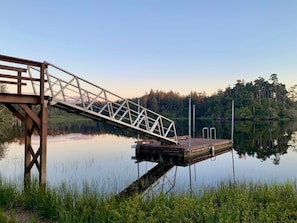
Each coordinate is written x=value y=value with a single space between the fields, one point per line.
x=130 y=47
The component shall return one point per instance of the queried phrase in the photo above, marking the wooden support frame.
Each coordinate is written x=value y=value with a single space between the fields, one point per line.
x=34 y=123
x=21 y=106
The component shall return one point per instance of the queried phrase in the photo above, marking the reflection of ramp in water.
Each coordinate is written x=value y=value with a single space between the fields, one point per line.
x=148 y=179
x=163 y=185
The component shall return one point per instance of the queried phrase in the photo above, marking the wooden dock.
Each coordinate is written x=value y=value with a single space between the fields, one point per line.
x=184 y=153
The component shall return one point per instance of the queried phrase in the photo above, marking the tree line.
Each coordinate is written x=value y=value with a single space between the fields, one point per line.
x=260 y=99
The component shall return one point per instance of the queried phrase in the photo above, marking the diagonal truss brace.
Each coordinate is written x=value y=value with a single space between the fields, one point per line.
x=33 y=123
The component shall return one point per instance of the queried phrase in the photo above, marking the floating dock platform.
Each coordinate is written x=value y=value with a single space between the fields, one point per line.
x=186 y=152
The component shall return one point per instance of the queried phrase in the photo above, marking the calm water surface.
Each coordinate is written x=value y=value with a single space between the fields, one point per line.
x=104 y=159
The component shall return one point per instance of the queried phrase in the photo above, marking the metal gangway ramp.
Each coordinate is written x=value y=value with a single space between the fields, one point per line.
x=74 y=94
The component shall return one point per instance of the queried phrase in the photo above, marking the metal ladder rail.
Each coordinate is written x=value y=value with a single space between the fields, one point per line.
x=211 y=133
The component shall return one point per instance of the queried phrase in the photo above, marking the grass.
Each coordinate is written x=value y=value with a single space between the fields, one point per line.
x=228 y=202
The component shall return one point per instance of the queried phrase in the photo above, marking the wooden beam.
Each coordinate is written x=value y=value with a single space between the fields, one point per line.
x=33 y=116
x=8 y=76
x=19 y=99
x=4 y=67
x=34 y=159
x=12 y=82
x=15 y=112
x=20 y=61
x=23 y=78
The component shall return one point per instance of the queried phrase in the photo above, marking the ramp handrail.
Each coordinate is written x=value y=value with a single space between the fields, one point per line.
x=78 y=95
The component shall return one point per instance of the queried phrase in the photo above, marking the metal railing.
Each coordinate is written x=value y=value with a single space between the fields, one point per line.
x=74 y=94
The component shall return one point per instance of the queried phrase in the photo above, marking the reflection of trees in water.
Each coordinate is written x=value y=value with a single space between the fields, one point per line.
x=8 y=133
x=223 y=128
x=86 y=126
x=293 y=142
x=3 y=149
x=263 y=140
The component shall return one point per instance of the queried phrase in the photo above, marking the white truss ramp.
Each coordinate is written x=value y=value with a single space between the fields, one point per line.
x=73 y=94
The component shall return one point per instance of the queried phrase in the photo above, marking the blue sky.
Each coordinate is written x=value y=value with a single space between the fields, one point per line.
x=130 y=47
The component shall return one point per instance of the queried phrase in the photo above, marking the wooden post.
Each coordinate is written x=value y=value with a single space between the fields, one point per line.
x=43 y=127
x=43 y=140
x=28 y=133
x=19 y=82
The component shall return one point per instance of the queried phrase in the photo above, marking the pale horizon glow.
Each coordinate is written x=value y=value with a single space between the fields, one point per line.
x=132 y=47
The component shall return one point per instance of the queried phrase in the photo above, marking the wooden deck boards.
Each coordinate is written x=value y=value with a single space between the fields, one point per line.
x=182 y=154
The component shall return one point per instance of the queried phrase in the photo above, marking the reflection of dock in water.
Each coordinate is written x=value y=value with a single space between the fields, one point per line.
x=167 y=156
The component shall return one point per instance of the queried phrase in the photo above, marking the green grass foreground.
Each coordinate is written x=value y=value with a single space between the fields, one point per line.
x=242 y=202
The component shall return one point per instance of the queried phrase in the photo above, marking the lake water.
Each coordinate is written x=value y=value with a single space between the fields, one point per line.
x=92 y=153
